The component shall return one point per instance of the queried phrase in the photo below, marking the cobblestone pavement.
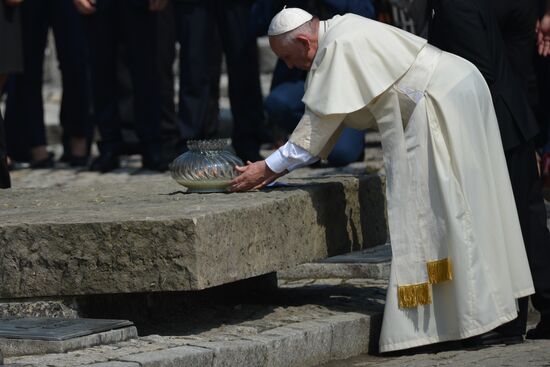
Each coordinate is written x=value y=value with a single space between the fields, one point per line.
x=189 y=321
x=532 y=353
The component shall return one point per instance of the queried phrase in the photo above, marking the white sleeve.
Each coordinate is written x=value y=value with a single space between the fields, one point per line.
x=289 y=157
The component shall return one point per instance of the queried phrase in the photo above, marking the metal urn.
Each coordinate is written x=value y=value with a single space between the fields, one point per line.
x=208 y=166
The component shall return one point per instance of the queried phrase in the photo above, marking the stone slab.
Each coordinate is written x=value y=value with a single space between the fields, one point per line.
x=56 y=329
x=151 y=236
x=19 y=347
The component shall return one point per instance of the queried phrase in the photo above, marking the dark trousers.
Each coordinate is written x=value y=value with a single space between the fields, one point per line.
x=4 y=174
x=199 y=68
x=131 y=25
x=196 y=23
x=527 y=187
x=24 y=108
x=170 y=131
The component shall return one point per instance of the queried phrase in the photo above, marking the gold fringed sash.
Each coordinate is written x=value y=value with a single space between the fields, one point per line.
x=440 y=271
x=414 y=295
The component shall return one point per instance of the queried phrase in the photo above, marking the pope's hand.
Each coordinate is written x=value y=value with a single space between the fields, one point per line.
x=14 y=2
x=85 y=7
x=253 y=176
x=543 y=35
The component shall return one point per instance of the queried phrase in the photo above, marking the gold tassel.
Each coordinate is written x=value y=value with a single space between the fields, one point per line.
x=414 y=295
x=439 y=271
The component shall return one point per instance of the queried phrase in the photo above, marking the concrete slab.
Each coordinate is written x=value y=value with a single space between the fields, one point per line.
x=150 y=236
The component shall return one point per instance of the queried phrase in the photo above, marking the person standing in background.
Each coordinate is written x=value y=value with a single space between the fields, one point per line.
x=498 y=37
x=11 y=60
x=25 y=128
x=202 y=25
x=134 y=23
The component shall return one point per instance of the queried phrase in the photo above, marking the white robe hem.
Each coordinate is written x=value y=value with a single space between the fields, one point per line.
x=524 y=293
x=443 y=338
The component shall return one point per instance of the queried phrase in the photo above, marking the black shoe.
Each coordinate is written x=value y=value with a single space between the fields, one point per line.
x=74 y=161
x=79 y=161
x=492 y=338
x=106 y=162
x=153 y=160
x=65 y=157
x=43 y=163
x=541 y=331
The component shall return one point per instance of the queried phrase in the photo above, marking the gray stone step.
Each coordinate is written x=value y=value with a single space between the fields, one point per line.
x=149 y=236
x=372 y=263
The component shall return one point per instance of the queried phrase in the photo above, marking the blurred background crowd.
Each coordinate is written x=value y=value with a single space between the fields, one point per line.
x=143 y=77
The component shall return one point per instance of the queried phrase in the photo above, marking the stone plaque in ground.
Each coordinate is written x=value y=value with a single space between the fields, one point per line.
x=46 y=328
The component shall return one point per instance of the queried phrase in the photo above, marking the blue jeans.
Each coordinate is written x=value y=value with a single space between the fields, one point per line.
x=284 y=108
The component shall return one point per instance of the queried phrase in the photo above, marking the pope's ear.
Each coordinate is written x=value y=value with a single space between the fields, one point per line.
x=303 y=40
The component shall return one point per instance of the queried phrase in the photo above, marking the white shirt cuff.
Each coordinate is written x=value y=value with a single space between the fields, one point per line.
x=289 y=157
x=276 y=162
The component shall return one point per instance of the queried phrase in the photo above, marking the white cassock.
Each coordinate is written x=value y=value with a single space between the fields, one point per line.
x=459 y=260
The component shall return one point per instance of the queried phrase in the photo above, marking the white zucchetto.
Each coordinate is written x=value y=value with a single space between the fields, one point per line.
x=288 y=19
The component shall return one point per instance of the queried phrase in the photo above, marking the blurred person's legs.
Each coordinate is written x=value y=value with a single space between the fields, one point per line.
x=4 y=172
x=349 y=148
x=519 y=39
x=102 y=29
x=284 y=109
x=526 y=184
x=25 y=129
x=199 y=68
x=170 y=131
x=10 y=62
x=75 y=105
x=139 y=27
x=10 y=38
x=241 y=52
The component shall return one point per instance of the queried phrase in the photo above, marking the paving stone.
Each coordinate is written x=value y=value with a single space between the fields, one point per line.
x=242 y=353
x=173 y=357
x=114 y=364
x=304 y=344
x=350 y=335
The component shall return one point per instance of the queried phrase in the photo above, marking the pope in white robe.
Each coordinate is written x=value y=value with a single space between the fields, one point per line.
x=458 y=261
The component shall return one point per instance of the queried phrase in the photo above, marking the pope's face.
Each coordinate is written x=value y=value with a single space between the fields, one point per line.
x=297 y=54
